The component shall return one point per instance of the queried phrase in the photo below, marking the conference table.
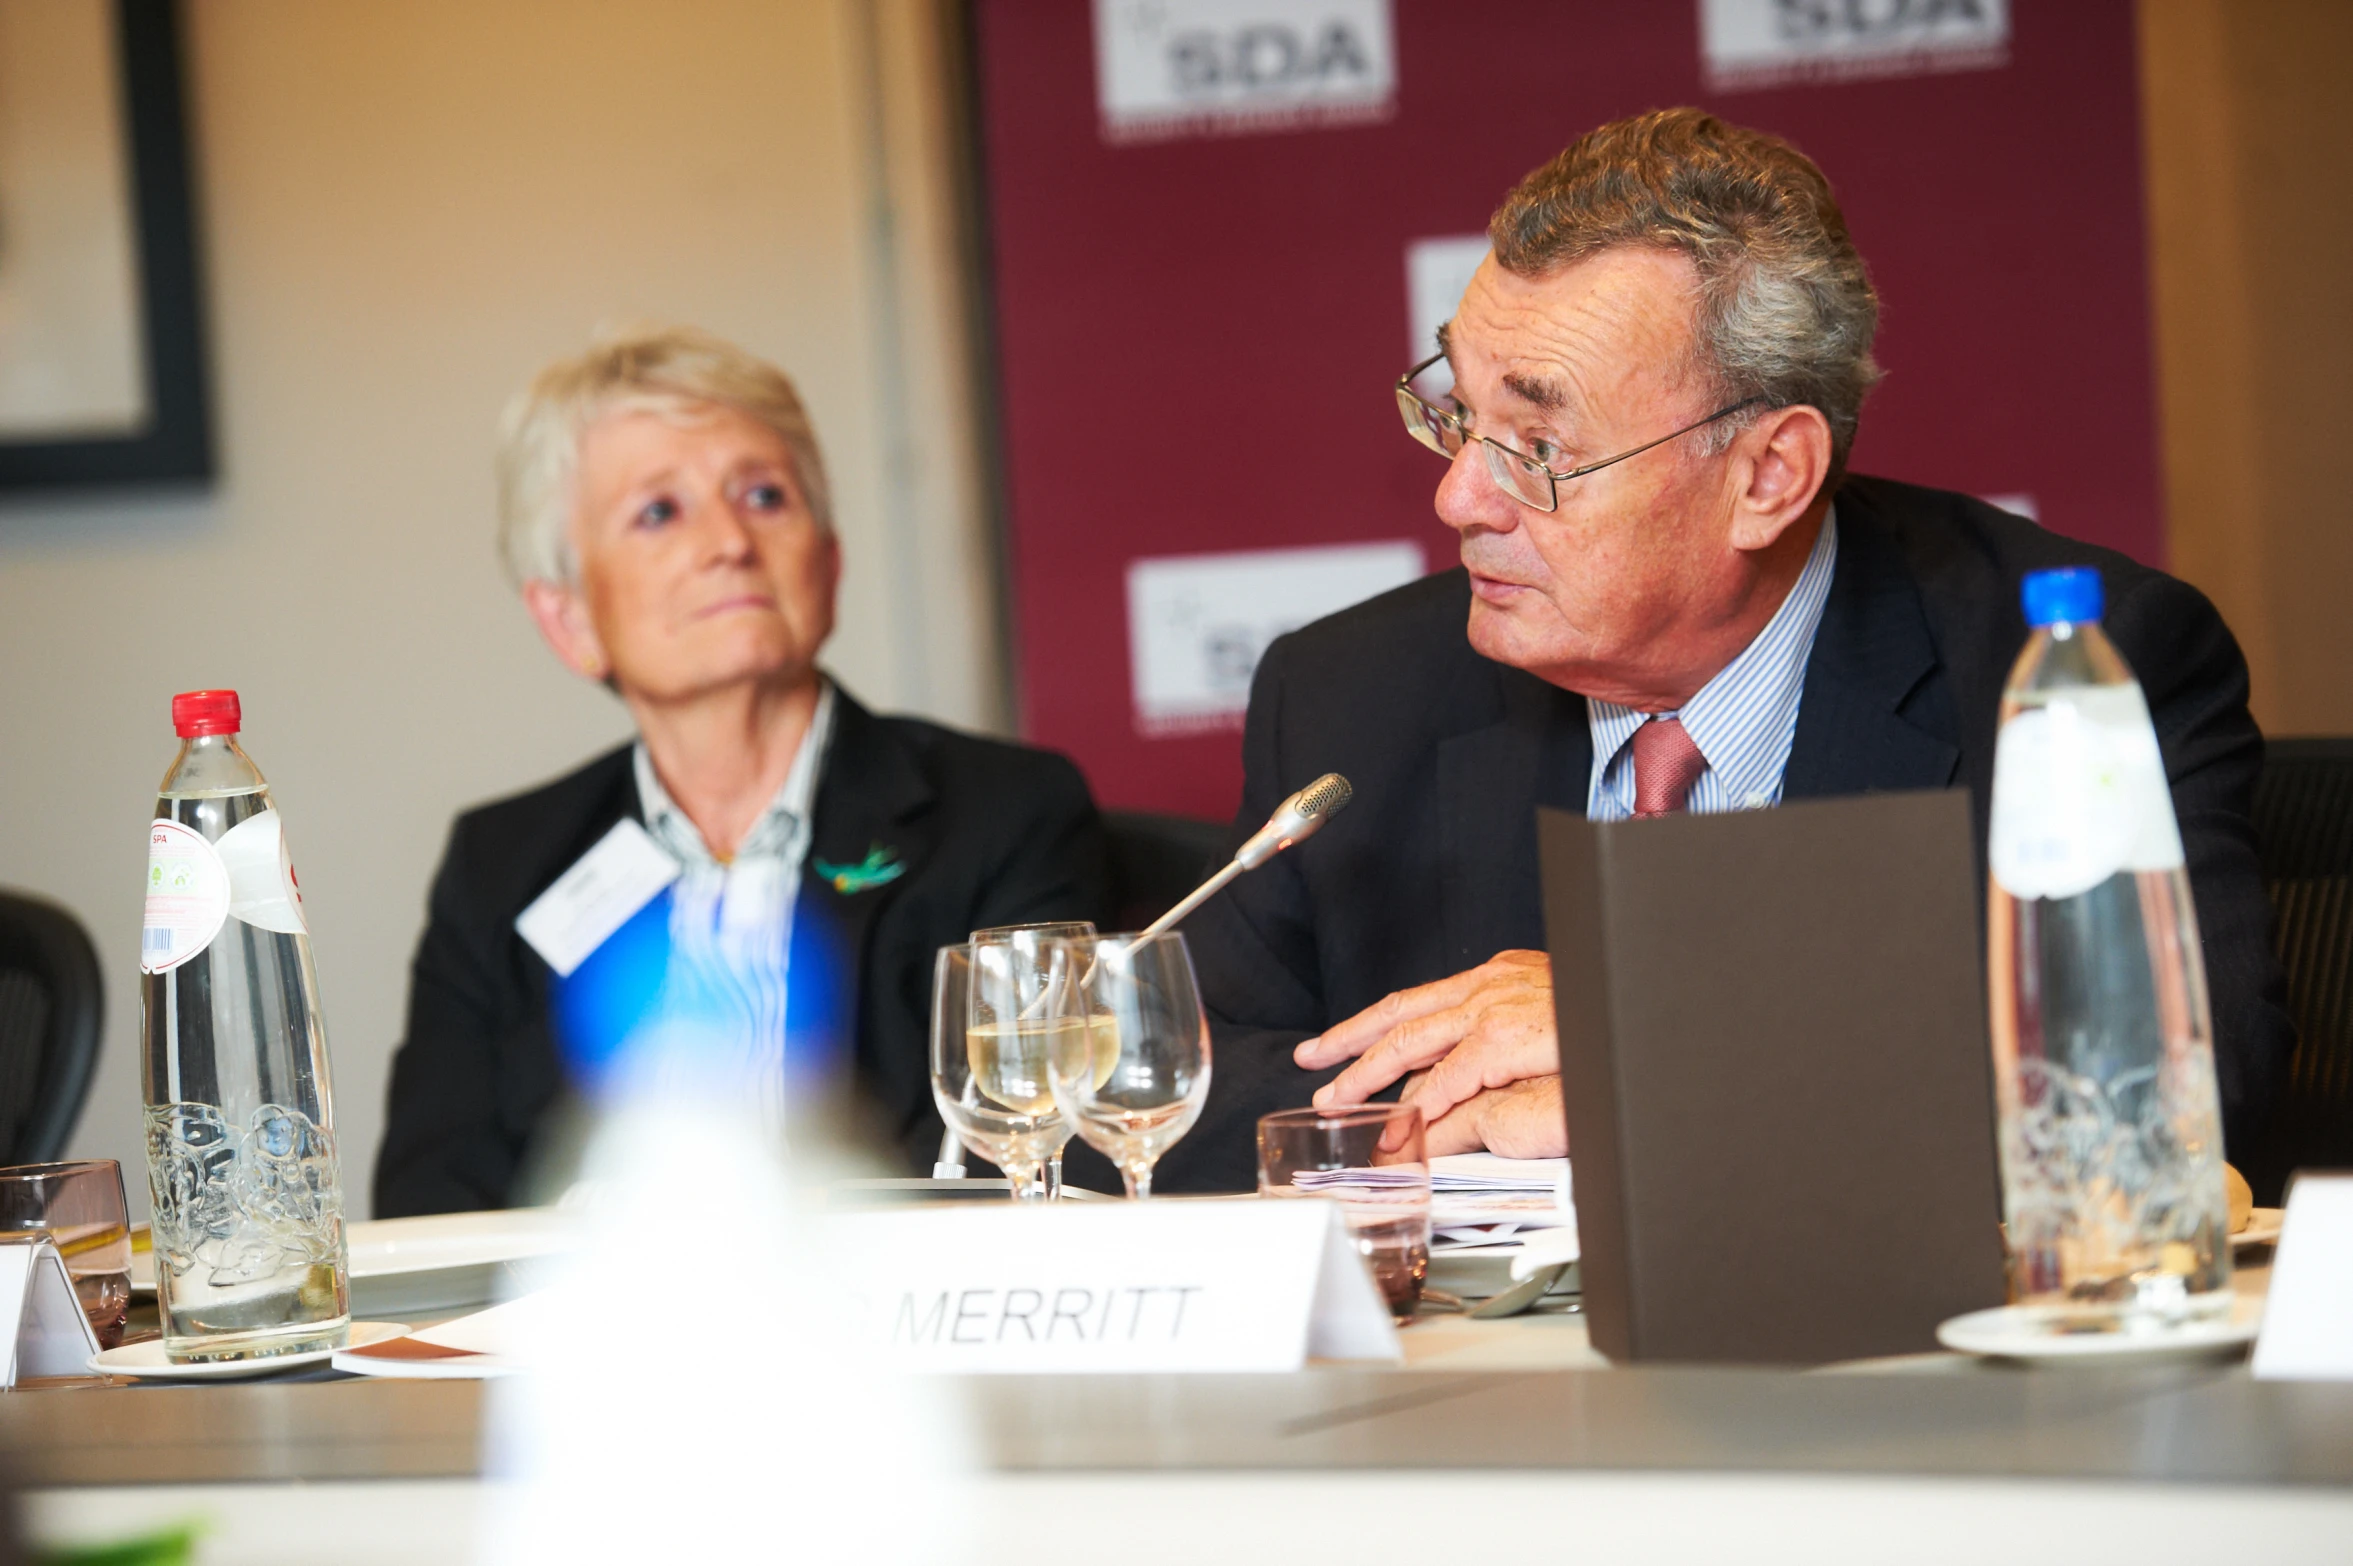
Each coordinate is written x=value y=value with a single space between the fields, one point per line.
x=1493 y=1440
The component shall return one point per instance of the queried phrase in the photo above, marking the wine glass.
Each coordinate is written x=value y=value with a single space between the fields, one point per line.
x=1138 y=1086
x=991 y=1036
x=1024 y=939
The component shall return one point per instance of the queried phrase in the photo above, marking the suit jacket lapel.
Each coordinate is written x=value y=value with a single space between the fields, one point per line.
x=1869 y=720
x=873 y=833
x=1487 y=792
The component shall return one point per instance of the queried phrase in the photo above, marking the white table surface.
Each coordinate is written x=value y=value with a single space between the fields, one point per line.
x=1188 y=1518
x=1190 y=1513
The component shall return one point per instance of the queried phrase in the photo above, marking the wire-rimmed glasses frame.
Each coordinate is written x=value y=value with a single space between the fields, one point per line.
x=1515 y=472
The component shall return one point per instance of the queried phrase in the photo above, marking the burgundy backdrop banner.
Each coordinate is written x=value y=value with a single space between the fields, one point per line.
x=1198 y=334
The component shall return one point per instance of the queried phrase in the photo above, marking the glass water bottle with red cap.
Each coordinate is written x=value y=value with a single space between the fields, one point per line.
x=249 y=1254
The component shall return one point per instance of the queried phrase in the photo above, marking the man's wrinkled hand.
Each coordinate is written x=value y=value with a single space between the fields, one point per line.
x=1487 y=1028
x=1523 y=1120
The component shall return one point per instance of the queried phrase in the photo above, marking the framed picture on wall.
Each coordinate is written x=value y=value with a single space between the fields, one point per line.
x=101 y=345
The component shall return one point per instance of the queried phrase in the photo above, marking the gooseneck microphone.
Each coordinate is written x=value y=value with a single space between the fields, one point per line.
x=1295 y=821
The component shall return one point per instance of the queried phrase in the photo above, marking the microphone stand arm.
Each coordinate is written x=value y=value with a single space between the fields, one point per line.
x=950 y=1163
x=1299 y=817
x=1194 y=899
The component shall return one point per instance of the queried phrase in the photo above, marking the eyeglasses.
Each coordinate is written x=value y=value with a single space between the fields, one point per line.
x=1516 y=473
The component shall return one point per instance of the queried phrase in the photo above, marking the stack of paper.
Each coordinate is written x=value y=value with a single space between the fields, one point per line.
x=1361 y=1184
x=1483 y=1199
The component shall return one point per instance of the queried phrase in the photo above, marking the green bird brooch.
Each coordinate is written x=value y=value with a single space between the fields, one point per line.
x=880 y=867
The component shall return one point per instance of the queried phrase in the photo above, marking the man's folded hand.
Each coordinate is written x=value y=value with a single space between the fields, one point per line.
x=1481 y=1030
x=1523 y=1120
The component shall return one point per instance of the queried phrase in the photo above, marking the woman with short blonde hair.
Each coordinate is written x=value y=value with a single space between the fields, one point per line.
x=664 y=512
x=676 y=372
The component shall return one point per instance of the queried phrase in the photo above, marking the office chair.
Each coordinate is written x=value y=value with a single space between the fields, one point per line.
x=2304 y=836
x=1156 y=860
x=52 y=1007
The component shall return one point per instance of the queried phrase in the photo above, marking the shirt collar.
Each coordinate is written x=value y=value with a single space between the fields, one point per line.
x=783 y=828
x=1744 y=718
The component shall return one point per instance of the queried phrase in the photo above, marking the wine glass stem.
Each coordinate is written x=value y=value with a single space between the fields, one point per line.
x=1054 y=1178
x=1139 y=1180
x=1027 y=1187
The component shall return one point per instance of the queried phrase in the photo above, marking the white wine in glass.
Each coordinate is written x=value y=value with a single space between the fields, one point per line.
x=1138 y=1087
x=1024 y=939
x=1011 y=1061
x=986 y=1070
x=1103 y=1045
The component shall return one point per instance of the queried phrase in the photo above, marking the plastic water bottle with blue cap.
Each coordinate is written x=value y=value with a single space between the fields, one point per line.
x=2111 y=1130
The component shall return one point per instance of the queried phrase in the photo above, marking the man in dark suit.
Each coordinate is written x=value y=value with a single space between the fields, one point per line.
x=665 y=513
x=1672 y=597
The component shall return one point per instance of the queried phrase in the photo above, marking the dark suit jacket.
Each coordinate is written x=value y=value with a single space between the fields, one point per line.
x=990 y=833
x=1432 y=869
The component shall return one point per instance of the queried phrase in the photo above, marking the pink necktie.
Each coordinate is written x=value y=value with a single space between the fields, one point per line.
x=1666 y=764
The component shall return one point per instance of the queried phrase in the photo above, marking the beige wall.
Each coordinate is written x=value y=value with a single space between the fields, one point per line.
x=408 y=205
x=2250 y=157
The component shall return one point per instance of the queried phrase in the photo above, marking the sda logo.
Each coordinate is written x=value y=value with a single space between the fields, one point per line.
x=1197 y=624
x=1769 y=43
x=1268 y=57
x=1170 y=68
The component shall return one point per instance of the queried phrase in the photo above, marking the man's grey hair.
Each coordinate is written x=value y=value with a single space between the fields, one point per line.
x=1786 y=313
x=677 y=372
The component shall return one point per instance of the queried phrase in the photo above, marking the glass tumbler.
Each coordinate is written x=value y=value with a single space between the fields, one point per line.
x=1370 y=1160
x=80 y=1205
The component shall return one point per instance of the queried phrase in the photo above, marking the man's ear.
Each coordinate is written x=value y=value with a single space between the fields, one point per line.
x=564 y=623
x=1787 y=461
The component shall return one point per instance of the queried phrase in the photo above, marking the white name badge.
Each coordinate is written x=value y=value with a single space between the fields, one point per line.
x=625 y=871
x=47 y=1334
x=2308 y=1318
x=1244 y=1285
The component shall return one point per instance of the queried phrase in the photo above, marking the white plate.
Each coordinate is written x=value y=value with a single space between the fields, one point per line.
x=475 y=1367
x=2262 y=1227
x=1485 y=1272
x=147 y=1359
x=2018 y=1332
x=403 y=1266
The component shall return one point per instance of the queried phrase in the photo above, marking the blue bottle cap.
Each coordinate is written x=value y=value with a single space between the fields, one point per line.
x=2072 y=594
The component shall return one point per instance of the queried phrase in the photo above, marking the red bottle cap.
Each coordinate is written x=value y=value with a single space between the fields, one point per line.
x=196 y=713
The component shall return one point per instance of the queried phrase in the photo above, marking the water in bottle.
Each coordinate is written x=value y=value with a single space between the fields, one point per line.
x=248 y=1227
x=2111 y=1136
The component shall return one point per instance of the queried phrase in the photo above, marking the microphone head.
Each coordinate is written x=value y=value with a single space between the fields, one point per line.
x=1296 y=819
x=1323 y=799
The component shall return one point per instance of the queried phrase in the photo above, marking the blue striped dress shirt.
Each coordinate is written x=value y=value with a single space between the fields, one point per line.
x=731 y=924
x=1744 y=720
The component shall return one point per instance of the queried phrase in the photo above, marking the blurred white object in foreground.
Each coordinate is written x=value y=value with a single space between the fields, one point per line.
x=691 y=1398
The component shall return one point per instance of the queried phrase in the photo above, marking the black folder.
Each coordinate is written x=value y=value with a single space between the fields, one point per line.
x=1775 y=1066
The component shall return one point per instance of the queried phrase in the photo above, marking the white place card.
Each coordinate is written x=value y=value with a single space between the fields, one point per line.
x=1169 y=1285
x=47 y=1334
x=2308 y=1318
x=607 y=885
